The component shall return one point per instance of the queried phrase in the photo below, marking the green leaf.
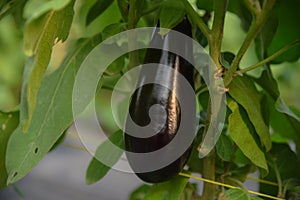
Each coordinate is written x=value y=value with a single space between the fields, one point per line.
x=98 y=8
x=171 y=13
x=226 y=59
x=8 y=123
x=52 y=116
x=39 y=36
x=112 y=30
x=282 y=119
x=236 y=194
x=36 y=8
x=225 y=148
x=170 y=190
x=140 y=192
x=265 y=37
x=8 y=7
x=123 y=6
x=243 y=90
x=241 y=135
x=97 y=170
x=287 y=166
x=288 y=30
x=205 y=5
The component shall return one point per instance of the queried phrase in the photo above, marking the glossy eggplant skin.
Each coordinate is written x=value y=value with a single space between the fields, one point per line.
x=148 y=95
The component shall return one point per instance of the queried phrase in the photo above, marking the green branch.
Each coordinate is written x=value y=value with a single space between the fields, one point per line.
x=196 y=18
x=256 y=25
x=132 y=43
x=215 y=41
x=270 y=58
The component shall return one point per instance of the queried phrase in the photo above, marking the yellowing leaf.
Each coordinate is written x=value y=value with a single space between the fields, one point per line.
x=243 y=90
x=242 y=137
x=39 y=37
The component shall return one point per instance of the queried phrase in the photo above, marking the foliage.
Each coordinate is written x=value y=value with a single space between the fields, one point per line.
x=260 y=128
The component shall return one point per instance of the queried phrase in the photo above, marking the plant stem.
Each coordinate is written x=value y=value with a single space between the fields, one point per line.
x=278 y=177
x=197 y=19
x=270 y=58
x=208 y=170
x=209 y=189
x=132 y=43
x=256 y=25
x=215 y=41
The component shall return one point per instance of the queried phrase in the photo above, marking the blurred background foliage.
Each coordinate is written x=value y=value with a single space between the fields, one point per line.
x=12 y=59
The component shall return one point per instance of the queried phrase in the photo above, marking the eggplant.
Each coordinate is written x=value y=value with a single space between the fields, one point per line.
x=147 y=95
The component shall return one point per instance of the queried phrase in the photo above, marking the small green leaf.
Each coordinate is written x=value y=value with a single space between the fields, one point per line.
x=8 y=123
x=226 y=59
x=140 y=192
x=236 y=194
x=112 y=30
x=170 y=190
x=243 y=90
x=241 y=135
x=52 y=116
x=124 y=8
x=225 y=148
x=205 y=5
x=39 y=36
x=98 y=170
x=98 y=8
x=171 y=13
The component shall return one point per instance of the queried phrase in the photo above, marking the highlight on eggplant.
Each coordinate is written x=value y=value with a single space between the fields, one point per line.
x=164 y=102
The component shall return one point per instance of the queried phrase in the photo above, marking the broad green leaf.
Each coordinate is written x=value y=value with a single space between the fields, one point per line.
x=243 y=90
x=225 y=148
x=286 y=161
x=241 y=135
x=288 y=30
x=8 y=123
x=287 y=164
x=98 y=170
x=236 y=194
x=52 y=116
x=282 y=119
x=139 y=193
x=39 y=37
x=170 y=190
x=171 y=13
x=98 y=8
